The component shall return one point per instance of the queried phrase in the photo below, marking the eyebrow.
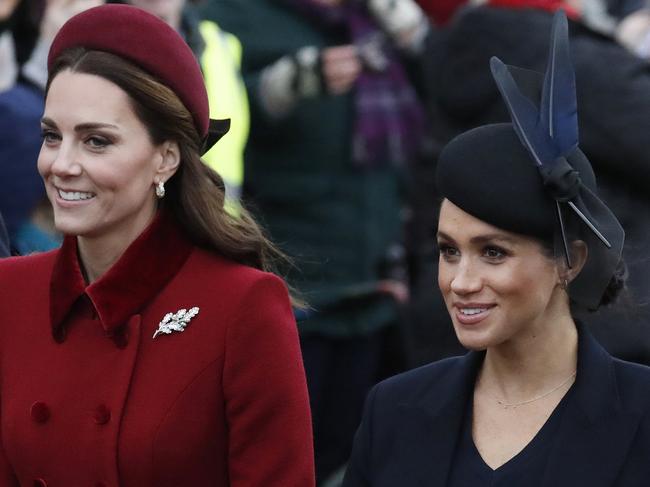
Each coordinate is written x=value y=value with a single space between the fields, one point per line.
x=481 y=239
x=82 y=126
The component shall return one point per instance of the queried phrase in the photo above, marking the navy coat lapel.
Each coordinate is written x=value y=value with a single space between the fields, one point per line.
x=592 y=443
x=432 y=424
x=595 y=434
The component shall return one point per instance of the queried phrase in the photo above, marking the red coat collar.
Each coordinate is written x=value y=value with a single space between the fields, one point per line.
x=138 y=275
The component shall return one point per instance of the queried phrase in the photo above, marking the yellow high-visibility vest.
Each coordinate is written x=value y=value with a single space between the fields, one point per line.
x=220 y=62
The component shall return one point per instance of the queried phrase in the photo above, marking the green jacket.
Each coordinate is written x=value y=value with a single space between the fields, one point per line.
x=335 y=220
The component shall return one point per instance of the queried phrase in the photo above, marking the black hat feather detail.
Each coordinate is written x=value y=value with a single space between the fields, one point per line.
x=538 y=182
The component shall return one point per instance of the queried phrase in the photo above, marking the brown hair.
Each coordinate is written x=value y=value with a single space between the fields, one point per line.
x=195 y=193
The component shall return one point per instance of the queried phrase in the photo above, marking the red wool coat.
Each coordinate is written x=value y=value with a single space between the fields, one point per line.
x=89 y=398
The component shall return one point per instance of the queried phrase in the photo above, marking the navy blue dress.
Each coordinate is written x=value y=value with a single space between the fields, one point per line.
x=527 y=467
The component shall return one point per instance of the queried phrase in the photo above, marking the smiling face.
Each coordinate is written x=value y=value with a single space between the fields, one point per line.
x=97 y=161
x=498 y=286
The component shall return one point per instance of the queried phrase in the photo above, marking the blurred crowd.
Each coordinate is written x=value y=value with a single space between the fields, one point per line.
x=339 y=109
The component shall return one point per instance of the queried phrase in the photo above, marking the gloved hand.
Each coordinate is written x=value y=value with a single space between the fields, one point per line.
x=308 y=73
x=403 y=20
x=633 y=32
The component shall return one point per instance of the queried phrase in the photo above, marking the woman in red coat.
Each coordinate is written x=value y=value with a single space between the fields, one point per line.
x=152 y=349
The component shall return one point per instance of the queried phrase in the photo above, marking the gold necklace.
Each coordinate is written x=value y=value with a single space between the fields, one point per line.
x=514 y=405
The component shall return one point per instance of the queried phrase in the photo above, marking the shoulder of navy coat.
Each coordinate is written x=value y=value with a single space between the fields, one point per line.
x=411 y=423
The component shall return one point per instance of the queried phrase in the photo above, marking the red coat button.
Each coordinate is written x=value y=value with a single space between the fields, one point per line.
x=102 y=414
x=40 y=483
x=40 y=412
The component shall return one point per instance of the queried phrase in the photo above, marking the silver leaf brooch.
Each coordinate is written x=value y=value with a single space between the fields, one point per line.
x=176 y=321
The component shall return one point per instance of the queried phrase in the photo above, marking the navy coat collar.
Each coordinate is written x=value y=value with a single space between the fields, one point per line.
x=593 y=439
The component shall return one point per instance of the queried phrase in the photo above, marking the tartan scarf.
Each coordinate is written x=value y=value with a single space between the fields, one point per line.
x=389 y=118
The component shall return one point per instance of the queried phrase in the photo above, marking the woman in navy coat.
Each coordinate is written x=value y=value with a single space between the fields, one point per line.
x=524 y=239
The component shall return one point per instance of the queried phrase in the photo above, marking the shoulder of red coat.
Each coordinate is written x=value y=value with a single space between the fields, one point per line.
x=210 y=267
x=27 y=266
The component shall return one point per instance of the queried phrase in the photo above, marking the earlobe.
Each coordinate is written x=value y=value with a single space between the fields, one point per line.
x=169 y=161
x=579 y=254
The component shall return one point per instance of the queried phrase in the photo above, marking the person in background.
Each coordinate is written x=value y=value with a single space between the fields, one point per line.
x=8 y=73
x=524 y=239
x=335 y=123
x=8 y=68
x=219 y=54
x=633 y=31
x=153 y=348
x=21 y=108
x=32 y=25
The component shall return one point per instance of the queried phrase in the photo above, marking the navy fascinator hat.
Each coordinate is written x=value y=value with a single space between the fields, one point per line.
x=530 y=177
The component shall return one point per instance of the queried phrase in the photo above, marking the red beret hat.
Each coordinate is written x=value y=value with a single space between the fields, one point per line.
x=146 y=41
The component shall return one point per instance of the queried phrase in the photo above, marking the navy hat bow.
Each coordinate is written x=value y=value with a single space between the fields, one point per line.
x=549 y=132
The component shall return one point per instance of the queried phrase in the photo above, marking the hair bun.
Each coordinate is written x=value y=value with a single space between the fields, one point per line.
x=616 y=285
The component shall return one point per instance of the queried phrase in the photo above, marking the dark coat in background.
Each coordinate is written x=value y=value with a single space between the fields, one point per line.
x=21 y=108
x=335 y=220
x=613 y=88
x=412 y=423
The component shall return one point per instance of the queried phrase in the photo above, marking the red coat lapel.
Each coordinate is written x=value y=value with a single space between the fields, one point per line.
x=139 y=274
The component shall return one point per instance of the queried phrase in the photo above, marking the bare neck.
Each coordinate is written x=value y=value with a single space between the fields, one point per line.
x=543 y=356
x=97 y=254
